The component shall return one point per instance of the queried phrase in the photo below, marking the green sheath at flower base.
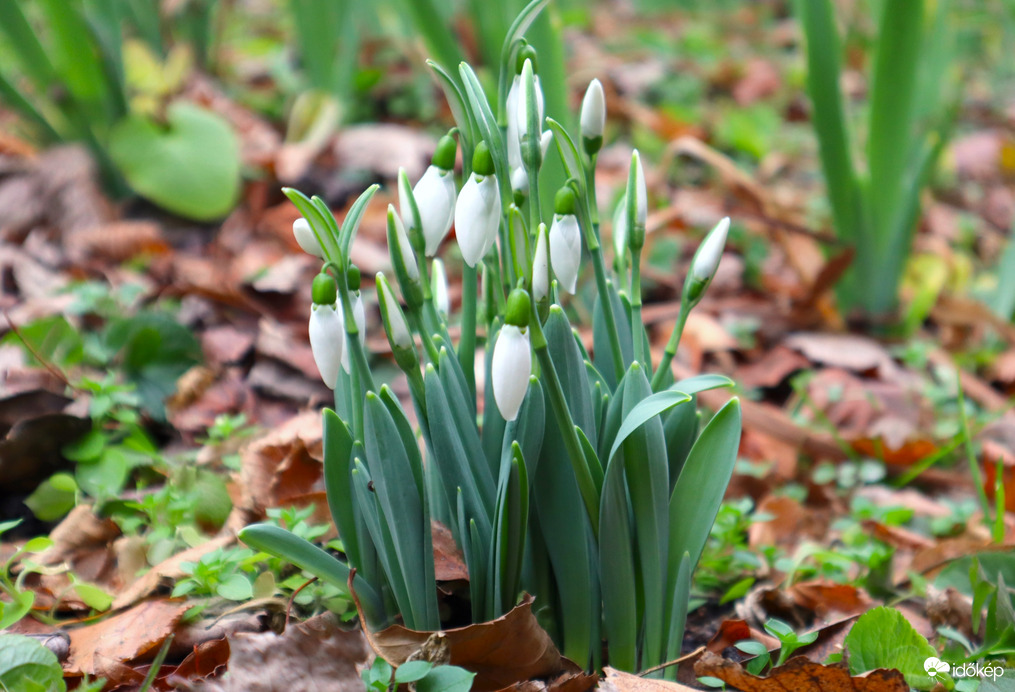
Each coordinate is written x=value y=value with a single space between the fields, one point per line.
x=444 y=156
x=324 y=290
x=353 y=278
x=395 y=326
x=564 y=202
x=403 y=260
x=518 y=306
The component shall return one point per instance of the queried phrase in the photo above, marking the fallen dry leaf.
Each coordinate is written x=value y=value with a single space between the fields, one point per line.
x=167 y=571
x=511 y=649
x=311 y=656
x=122 y=638
x=618 y=681
x=800 y=675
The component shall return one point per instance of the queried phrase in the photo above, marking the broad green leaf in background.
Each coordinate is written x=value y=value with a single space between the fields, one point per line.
x=26 y=664
x=190 y=167
x=883 y=638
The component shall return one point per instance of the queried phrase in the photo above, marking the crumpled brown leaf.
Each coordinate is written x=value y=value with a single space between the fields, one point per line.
x=511 y=649
x=308 y=657
x=800 y=674
x=617 y=681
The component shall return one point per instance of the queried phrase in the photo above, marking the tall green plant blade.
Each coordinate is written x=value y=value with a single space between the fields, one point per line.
x=510 y=530
x=32 y=57
x=526 y=429
x=434 y=27
x=318 y=222
x=463 y=415
x=601 y=339
x=647 y=473
x=350 y=224
x=487 y=128
x=13 y=98
x=401 y=501
x=373 y=517
x=406 y=435
x=77 y=59
x=678 y=614
x=515 y=32
x=338 y=483
x=451 y=459
x=699 y=490
x=680 y=428
x=829 y=116
x=145 y=16
x=616 y=570
x=891 y=145
x=462 y=115
x=315 y=37
x=105 y=19
x=307 y=556
x=475 y=559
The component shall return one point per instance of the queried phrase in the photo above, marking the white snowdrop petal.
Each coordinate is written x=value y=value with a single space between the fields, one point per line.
x=327 y=338
x=707 y=259
x=593 y=111
x=435 y=197
x=510 y=370
x=565 y=250
x=306 y=239
x=477 y=216
x=439 y=287
x=540 y=267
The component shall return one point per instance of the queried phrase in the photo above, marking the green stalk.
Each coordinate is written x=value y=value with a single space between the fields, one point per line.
x=637 y=329
x=671 y=348
x=567 y=427
x=416 y=322
x=467 y=342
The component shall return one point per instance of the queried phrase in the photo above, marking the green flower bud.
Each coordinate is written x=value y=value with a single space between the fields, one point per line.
x=353 y=278
x=482 y=160
x=518 y=308
x=564 y=202
x=526 y=52
x=444 y=157
x=324 y=290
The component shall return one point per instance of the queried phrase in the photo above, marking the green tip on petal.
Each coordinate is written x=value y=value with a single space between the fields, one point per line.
x=444 y=156
x=324 y=290
x=482 y=160
x=518 y=307
x=526 y=52
x=564 y=202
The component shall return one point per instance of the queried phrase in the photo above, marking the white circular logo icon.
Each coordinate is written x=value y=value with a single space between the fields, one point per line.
x=934 y=665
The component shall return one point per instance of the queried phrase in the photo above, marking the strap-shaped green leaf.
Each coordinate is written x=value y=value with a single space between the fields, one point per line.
x=678 y=613
x=510 y=531
x=318 y=222
x=517 y=29
x=350 y=224
x=680 y=428
x=463 y=415
x=526 y=430
x=307 y=556
x=616 y=571
x=486 y=127
x=456 y=102
x=338 y=483
x=568 y=151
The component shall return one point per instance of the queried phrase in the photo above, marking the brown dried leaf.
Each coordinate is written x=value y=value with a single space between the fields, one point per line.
x=513 y=648
x=122 y=638
x=166 y=572
x=449 y=565
x=311 y=656
x=617 y=681
x=800 y=675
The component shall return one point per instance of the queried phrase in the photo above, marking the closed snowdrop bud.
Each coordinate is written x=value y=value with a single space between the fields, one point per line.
x=540 y=267
x=395 y=325
x=439 y=289
x=565 y=241
x=435 y=195
x=512 y=359
x=516 y=125
x=593 y=117
x=478 y=210
x=327 y=332
x=620 y=227
x=306 y=238
x=706 y=259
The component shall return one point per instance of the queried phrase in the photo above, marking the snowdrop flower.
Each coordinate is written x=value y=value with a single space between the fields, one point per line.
x=439 y=289
x=327 y=331
x=519 y=178
x=540 y=267
x=593 y=117
x=705 y=262
x=706 y=259
x=620 y=228
x=637 y=208
x=435 y=196
x=511 y=365
x=395 y=324
x=565 y=240
x=516 y=126
x=478 y=210
x=306 y=238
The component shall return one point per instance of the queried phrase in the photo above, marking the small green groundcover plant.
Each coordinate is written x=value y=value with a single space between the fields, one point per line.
x=586 y=480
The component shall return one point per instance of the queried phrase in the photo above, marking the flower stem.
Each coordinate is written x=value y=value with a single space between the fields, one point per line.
x=637 y=328
x=467 y=343
x=671 y=347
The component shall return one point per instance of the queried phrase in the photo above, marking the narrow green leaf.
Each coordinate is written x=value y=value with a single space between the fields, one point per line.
x=510 y=531
x=338 y=483
x=307 y=556
x=486 y=127
x=616 y=570
x=350 y=224
x=518 y=27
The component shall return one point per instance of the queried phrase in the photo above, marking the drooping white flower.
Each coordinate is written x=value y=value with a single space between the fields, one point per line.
x=540 y=266
x=510 y=370
x=306 y=238
x=477 y=217
x=593 y=112
x=565 y=250
x=327 y=338
x=360 y=316
x=706 y=259
x=439 y=289
x=435 y=196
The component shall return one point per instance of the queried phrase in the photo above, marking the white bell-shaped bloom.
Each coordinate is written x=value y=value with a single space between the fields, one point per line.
x=510 y=370
x=593 y=112
x=435 y=198
x=515 y=128
x=706 y=260
x=439 y=289
x=540 y=266
x=620 y=227
x=360 y=316
x=327 y=338
x=565 y=250
x=477 y=217
x=306 y=238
